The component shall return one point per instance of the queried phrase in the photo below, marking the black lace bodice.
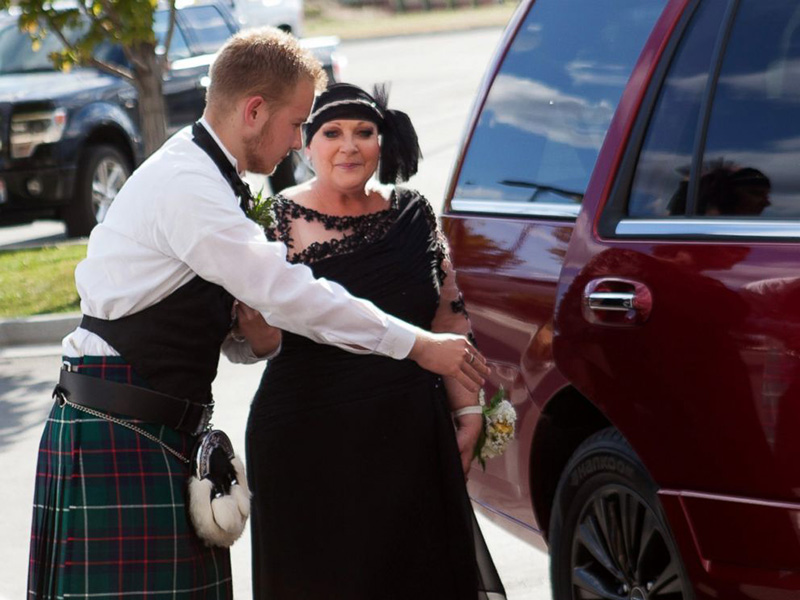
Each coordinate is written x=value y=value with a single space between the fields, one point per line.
x=357 y=231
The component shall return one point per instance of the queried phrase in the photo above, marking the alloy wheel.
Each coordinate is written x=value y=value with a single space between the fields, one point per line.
x=620 y=550
x=109 y=175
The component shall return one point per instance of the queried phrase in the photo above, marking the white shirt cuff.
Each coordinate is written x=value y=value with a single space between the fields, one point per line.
x=399 y=339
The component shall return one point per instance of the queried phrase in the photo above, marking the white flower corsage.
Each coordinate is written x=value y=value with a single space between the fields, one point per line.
x=499 y=420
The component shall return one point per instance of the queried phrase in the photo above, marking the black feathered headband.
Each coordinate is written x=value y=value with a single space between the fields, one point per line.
x=400 y=151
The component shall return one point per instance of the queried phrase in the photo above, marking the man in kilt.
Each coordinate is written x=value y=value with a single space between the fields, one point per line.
x=157 y=291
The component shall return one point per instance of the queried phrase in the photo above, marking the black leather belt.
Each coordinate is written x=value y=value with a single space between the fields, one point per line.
x=133 y=402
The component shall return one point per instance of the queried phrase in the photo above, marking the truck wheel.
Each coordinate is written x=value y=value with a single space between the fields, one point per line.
x=101 y=174
x=291 y=171
x=608 y=535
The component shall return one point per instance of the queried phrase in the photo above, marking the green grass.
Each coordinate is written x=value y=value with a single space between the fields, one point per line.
x=326 y=18
x=39 y=280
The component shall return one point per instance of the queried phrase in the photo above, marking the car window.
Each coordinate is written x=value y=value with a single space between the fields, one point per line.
x=209 y=28
x=662 y=173
x=17 y=53
x=178 y=48
x=551 y=103
x=752 y=150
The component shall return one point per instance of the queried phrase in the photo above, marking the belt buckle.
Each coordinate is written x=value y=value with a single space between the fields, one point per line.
x=59 y=393
x=60 y=396
x=205 y=421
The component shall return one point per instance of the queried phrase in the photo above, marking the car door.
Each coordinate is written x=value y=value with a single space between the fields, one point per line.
x=679 y=310
x=534 y=141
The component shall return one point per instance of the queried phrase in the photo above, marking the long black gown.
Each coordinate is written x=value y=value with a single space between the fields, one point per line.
x=357 y=486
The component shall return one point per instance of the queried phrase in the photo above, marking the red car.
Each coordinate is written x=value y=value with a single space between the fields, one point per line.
x=625 y=220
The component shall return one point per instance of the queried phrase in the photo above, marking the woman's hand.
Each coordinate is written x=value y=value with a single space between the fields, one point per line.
x=468 y=430
x=452 y=356
x=250 y=324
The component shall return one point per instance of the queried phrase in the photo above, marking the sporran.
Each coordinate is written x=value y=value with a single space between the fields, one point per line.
x=219 y=497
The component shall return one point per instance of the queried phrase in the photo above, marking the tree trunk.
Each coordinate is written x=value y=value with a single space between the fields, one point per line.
x=152 y=108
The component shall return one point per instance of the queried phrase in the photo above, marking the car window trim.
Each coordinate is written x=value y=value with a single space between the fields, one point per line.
x=548 y=210
x=705 y=228
x=615 y=211
x=706 y=106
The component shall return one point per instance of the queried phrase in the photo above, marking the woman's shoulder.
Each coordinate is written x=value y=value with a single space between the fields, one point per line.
x=409 y=194
x=297 y=191
x=408 y=198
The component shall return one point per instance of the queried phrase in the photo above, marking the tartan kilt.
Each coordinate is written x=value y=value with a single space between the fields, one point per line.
x=109 y=513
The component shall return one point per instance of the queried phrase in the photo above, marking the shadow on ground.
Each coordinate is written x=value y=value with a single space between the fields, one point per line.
x=24 y=403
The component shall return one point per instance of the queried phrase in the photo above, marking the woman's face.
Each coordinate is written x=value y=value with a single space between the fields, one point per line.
x=344 y=153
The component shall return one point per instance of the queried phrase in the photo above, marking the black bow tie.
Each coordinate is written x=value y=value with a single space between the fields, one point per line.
x=202 y=138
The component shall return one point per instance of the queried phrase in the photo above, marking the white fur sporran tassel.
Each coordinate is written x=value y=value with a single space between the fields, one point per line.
x=220 y=521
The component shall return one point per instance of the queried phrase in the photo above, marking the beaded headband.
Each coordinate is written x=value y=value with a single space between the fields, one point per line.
x=336 y=103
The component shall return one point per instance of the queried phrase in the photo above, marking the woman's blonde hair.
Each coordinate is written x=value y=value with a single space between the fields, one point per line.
x=264 y=62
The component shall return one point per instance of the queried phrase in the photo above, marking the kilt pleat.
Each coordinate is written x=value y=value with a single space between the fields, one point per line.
x=109 y=515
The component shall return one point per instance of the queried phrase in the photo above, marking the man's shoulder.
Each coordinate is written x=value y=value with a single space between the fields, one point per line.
x=179 y=164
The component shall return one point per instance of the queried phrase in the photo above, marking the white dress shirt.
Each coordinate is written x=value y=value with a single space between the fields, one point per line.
x=177 y=217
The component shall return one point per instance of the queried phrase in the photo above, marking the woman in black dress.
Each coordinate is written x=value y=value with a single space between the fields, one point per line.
x=357 y=471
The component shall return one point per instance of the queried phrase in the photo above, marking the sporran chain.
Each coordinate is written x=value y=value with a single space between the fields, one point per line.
x=130 y=426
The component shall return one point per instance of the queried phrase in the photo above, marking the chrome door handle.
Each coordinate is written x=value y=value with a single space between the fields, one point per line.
x=621 y=301
x=616 y=302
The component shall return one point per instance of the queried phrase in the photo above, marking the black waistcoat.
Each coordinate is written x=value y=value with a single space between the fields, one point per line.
x=174 y=344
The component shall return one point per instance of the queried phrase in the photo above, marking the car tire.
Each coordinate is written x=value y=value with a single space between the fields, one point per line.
x=608 y=536
x=101 y=173
x=291 y=171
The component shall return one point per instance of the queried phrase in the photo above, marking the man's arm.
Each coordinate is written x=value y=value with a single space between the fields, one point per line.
x=221 y=245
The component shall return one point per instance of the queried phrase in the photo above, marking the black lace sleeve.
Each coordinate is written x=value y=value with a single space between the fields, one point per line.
x=436 y=237
x=279 y=232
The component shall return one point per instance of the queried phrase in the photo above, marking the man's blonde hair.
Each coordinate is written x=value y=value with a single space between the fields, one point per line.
x=264 y=62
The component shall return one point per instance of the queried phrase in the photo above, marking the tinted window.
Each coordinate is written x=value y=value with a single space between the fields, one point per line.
x=662 y=173
x=751 y=165
x=178 y=48
x=17 y=54
x=209 y=28
x=551 y=103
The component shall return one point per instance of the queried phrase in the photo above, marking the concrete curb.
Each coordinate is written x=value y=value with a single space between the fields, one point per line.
x=42 y=329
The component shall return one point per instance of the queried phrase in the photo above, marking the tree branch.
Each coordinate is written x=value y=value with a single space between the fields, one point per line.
x=112 y=69
x=170 y=29
x=115 y=20
x=111 y=15
x=57 y=30
x=102 y=65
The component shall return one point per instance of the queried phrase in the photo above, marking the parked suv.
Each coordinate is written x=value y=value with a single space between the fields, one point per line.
x=625 y=220
x=69 y=140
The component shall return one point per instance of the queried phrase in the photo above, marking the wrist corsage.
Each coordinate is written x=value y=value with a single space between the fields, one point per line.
x=499 y=420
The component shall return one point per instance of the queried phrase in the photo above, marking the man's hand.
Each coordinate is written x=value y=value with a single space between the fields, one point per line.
x=450 y=355
x=468 y=430
x=250 y=324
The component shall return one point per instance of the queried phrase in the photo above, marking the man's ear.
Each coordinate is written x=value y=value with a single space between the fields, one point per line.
x=255 y=112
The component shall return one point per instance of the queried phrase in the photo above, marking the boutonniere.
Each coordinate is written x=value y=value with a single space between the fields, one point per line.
x=499 y=426
x=260 y=210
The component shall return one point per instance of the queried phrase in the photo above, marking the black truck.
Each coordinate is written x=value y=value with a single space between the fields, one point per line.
x=69 y=140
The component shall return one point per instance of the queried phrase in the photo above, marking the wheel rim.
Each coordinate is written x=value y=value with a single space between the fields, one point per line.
x=620 y=550
x=109 y=175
